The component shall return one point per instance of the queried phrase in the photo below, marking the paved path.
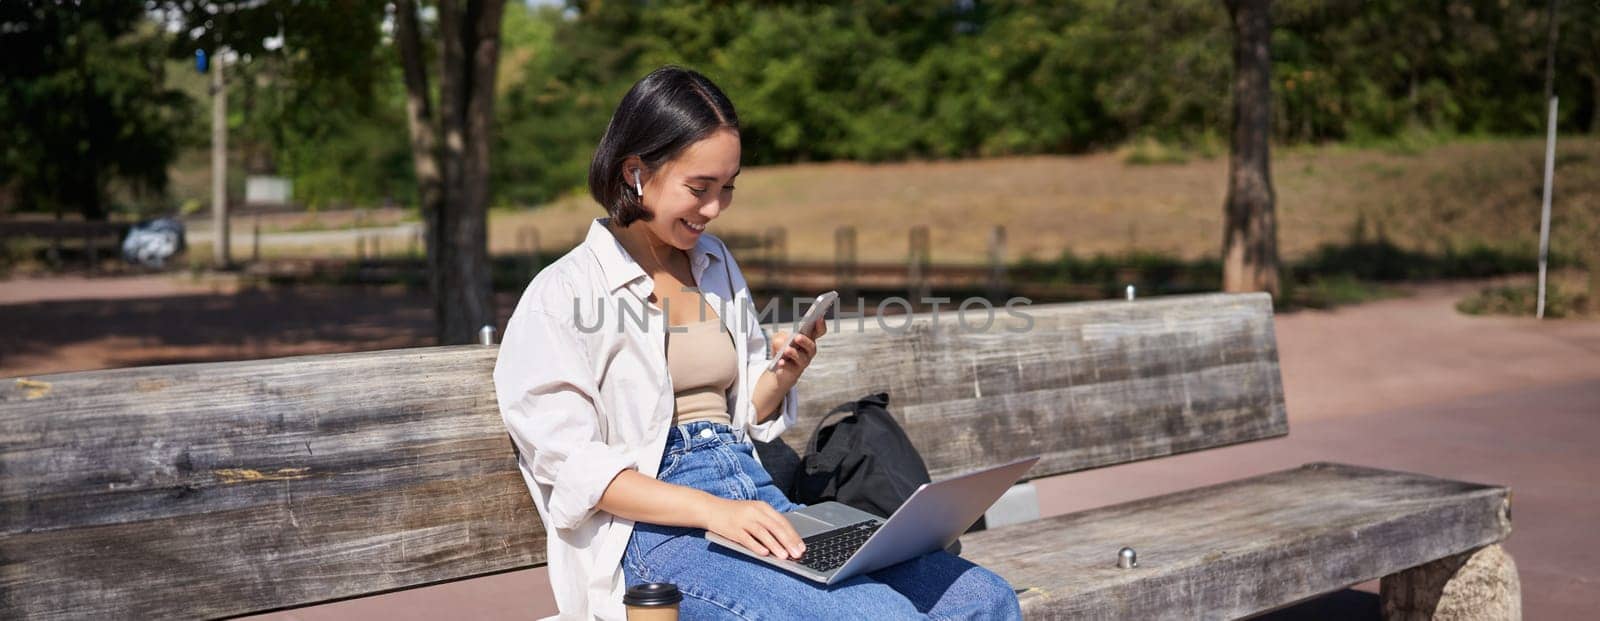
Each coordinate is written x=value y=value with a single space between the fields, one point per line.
x=18 y=291
x=1406 y=384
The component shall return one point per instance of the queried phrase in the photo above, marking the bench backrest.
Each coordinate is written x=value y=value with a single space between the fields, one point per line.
x=226 y=488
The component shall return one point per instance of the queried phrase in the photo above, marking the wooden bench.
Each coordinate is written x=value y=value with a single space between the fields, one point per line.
x=97 y=238
x=209 y=490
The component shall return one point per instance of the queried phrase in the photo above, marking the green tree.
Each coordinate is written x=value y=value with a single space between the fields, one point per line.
x=331 y=55
x=83 y=99
x=451 y=142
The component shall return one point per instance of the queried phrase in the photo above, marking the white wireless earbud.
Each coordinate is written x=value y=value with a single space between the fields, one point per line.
x=638 y=188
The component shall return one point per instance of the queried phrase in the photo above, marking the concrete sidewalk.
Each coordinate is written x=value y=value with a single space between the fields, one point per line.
x=1407 y=384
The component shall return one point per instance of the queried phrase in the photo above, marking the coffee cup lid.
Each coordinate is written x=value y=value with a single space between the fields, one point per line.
x=652 y=594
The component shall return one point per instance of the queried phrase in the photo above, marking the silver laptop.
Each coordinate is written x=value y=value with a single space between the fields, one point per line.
x=842 y=541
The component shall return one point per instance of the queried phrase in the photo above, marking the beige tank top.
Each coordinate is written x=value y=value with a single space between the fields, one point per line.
x=703 y=365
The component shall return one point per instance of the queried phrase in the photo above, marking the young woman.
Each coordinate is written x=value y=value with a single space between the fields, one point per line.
x=632 y=378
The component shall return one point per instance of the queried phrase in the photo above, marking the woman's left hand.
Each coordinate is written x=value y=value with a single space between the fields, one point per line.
x=794 y=360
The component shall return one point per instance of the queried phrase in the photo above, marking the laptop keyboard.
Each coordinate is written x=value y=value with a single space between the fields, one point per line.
x=826 y=551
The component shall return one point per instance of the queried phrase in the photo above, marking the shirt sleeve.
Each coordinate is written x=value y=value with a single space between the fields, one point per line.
x=788 y=409
x=547 y=393
x=758 y=352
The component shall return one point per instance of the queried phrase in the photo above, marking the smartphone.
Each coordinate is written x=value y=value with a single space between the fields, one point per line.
x=808 y=323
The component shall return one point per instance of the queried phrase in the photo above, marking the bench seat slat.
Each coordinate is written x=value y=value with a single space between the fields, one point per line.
x=1242 y=547
x=269 y=556
x=206 y=490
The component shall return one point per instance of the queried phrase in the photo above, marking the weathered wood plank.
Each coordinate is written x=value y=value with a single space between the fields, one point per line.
x=138 y=444
x=217 y=489
x=272 y=555
x=1243 y=547
x=178 y=458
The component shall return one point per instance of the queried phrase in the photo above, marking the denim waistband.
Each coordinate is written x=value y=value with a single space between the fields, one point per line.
x=693 y=435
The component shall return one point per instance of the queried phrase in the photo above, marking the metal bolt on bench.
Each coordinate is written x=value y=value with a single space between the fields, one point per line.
x=486 y=335
x=1127 y=558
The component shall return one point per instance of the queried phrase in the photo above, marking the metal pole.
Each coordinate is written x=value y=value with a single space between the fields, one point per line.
x=1544 y=217
x=219 y=165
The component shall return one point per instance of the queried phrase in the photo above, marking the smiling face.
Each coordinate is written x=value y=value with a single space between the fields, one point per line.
x=689 y=191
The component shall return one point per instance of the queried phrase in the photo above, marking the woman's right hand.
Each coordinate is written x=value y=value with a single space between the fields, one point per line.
x=756 y=526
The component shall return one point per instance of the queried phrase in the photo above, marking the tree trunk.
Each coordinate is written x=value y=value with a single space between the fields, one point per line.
x=476 y=299
x=424 y=145
x=1250 y=238
x=454 y=174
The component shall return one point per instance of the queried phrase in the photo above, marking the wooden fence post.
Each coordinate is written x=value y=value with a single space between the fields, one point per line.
x=90 y=251
x=528 y=245
x=53 y=254
x=777 y=260
x=918 y=264
x=1594 y=279
x=844 y=263
x=997 y=264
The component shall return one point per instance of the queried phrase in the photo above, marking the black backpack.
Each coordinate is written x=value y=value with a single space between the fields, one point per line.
x=865 y=460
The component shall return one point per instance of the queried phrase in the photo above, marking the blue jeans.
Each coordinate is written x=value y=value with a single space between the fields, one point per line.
x=718 y=583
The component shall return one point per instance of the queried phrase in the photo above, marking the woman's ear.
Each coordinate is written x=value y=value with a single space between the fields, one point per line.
x=634 y=173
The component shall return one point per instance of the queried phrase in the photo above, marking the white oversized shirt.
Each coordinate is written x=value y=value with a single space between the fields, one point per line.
x=585 y=394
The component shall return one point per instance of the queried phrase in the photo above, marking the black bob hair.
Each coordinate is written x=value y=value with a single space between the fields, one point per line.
x=661 y=115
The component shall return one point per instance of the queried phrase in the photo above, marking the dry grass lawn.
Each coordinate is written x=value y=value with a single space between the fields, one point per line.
x=1462 y=193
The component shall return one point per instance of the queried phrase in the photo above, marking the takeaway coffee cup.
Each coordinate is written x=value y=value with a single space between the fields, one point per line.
x=656 y=601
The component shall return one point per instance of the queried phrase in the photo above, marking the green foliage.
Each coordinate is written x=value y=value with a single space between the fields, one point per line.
x=1330 y=291
x=324 y=106
x=873 y=80
x=880 y=80
x=1335 y=274
x=1149 y=151
x=84 y=105
x=551 y=110
x=1524 y=300
x=1381 y=260
x=336 y=153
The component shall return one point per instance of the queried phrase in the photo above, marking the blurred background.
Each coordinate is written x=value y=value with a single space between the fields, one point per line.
x=193 y=181
x=1058 y=150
